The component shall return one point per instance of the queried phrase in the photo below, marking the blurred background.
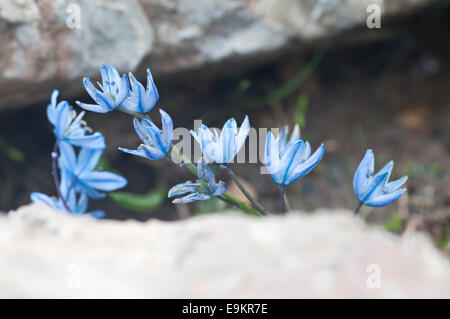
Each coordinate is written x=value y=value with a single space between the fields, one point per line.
x=350 y=78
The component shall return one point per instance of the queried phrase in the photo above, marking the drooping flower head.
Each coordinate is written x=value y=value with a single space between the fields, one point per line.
x=77 y=203
x=157 y=143
x=222 y=147
x=290 y=160
x=81 y=171
x=68 y=127
x=141 y=100
x=202 y=189
x=374 y=189
x=113 y=90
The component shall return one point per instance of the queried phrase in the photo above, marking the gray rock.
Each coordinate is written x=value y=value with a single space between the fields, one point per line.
x=45 y=44
x=324 y=255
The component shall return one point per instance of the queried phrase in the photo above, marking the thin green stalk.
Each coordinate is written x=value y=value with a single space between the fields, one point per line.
x=283 y=199
x=255 y=203
x=358 y=207
x=132 y=113
x=227 y=197
x=55 y=174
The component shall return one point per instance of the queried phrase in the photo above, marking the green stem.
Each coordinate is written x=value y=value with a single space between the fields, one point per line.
x=283 y=199
x=227 y=197
x=55 y=175
x=255 y=203
x=286 y=201
x=132 y=113
x=243 y=206
x=358 y=207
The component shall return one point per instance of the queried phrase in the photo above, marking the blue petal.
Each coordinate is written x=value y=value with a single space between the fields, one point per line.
x=242 y=135
x=139 y=152
x=110 y=79
x=363 y=173
x=142 y=131
x=288 y=159
x=385 y=199
x=308 y=165
x=104 y=181
x=67 y=158
x=205 y=172
x=64 y=116
x=282 y=138
x=134 y=101
x=295 y=135
x=82 y=204
x=376 y=184
x=205 y=138
x=87 y=160
x=145 y=151
x=181 y=189
x=393 y=186
x=219 y=189
x=89 y=191
x=43 y=198
x=191 y=198
x=271 y=158
x=90 y=88
x=155 y=135
x=94 y=141
x=93 y=107
x=152 y=91
x=105 y=101
x=386 y=169
x=124 y=90
x=167 y=129
x=51 y=108
x=227 y=143
x=65 y=185
x=96 y=214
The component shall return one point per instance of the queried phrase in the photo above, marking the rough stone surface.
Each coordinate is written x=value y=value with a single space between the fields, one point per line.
x=42 y=47
x=325 y=255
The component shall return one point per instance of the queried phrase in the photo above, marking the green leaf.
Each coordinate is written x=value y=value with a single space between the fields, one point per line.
x=300 y=109
x=140 y=203
x=443 y=243
x=244 y=85
x=12 y=152
x=393 y=224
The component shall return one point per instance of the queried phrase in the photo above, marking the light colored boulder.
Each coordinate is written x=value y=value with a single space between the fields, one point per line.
x=47 y=44
x=323 y=255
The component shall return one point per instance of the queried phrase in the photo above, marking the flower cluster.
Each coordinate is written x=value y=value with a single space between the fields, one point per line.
x=119 y=92
x=287 y=158
x=79 y=178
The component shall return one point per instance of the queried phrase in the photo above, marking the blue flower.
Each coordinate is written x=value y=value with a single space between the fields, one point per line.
x=202 y=189
x=222 y=148
x=76 y=205
x=80 y=170
x=113 y=90
x=56 y=204
x=290 y=160
x=141 y=100
x=70 y=128
x=157 y=143
x=374 y=189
